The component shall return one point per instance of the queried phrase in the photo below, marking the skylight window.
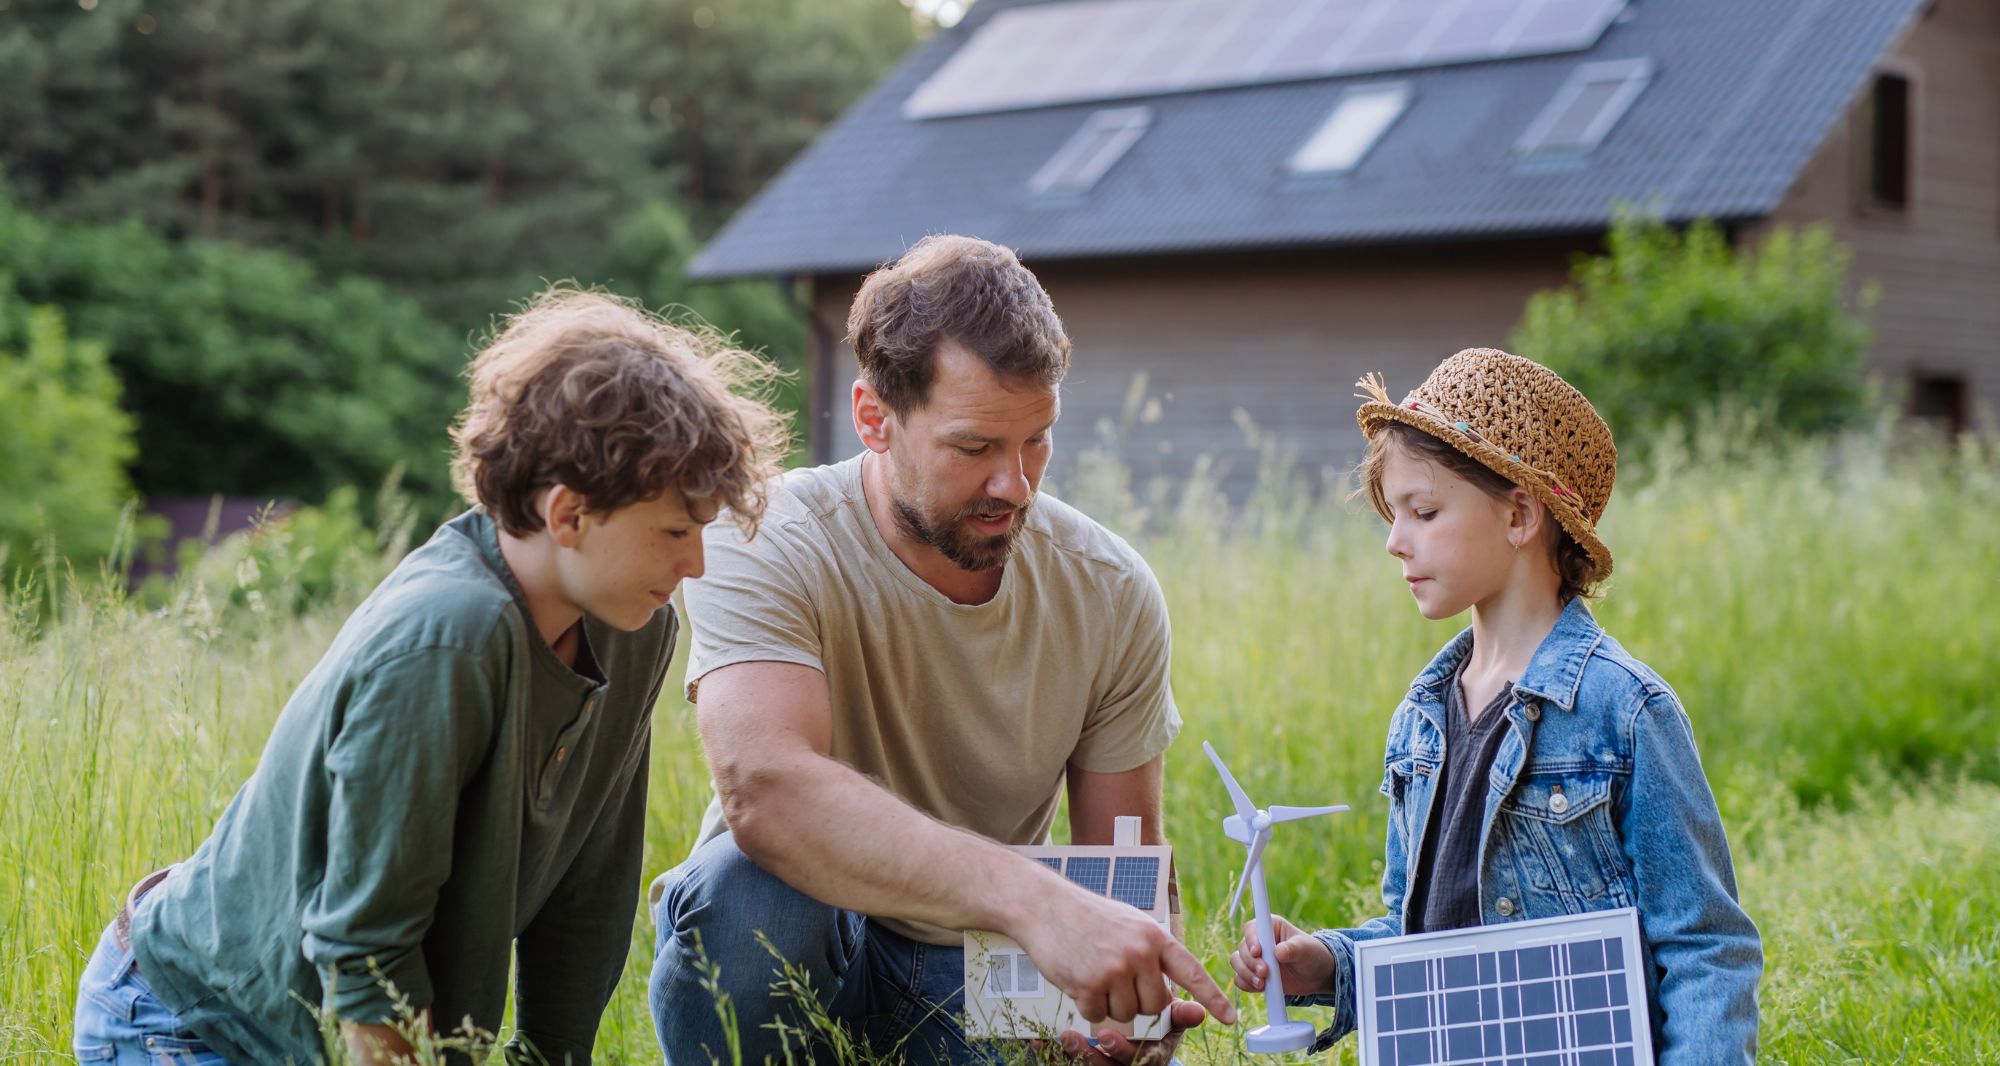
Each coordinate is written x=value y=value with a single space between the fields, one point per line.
x=1100 y=142
x=1587 y=106
x=1363 y=114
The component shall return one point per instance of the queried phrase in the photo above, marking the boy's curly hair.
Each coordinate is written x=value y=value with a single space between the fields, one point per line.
x=591 y=391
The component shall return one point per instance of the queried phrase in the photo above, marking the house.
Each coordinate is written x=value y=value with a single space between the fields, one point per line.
x=1240 y=206
x=1006 y=995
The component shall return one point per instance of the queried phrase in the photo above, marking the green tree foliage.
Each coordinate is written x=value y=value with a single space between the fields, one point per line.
x=648 y=261
x=463 y=149
x=462 y=153
x=249 y=372
x=64 y=442
x=736 y=88
x=1669 y=326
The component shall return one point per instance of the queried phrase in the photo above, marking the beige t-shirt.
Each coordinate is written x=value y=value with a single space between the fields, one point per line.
x=969 y=713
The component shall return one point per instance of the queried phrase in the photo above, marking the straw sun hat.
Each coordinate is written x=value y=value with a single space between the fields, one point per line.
x=1523 y=422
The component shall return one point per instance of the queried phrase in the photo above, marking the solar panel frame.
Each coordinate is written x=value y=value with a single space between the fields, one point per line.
x=1506 y=993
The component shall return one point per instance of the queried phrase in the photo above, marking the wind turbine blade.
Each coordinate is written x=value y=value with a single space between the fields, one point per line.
x=1249 y=866
x=1235 y=829
x=1293 y=814
x=1244 y=807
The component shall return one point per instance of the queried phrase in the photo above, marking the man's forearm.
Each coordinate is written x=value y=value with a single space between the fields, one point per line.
x=840 y=838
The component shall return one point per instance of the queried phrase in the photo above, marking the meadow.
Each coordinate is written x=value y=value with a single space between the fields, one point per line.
x=1825 y=611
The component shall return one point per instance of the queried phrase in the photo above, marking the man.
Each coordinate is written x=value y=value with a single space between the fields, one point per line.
x=899 y=674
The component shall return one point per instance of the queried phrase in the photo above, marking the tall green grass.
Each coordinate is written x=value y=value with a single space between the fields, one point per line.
x=1824 y=611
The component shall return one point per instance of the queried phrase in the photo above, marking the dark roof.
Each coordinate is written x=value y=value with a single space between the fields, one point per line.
x=1741 y=95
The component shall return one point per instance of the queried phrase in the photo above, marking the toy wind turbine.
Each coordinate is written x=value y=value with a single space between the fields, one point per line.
x=1251 y=826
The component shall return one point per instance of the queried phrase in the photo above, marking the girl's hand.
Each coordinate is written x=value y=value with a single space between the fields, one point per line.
x=1305 y=964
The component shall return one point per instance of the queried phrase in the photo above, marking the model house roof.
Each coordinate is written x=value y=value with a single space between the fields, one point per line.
x=1113 y=128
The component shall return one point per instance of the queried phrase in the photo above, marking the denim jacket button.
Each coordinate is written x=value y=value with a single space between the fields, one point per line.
x=1558 y=802
x=1533 y=712
x=1504 y=907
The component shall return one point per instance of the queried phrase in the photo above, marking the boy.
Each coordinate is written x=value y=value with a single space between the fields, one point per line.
x=463 y=776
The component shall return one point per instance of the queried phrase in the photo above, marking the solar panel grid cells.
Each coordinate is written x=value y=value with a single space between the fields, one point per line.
x=1090 y=871
x=1046 y=54
x=1563 y=25
x=1550 y=1005
x=1136 y=881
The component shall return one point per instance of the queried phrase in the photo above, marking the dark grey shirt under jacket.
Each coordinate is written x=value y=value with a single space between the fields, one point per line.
x=441 y=796
x=1445 y=893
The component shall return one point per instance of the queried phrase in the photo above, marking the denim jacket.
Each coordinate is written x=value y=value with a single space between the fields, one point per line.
x=1635 y=825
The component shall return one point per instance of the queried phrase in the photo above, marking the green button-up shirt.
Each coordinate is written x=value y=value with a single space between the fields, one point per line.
x=440 y=790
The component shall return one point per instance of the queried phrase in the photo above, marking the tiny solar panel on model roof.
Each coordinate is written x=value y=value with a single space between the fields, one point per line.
x=1060 y=53
x=1135 y=880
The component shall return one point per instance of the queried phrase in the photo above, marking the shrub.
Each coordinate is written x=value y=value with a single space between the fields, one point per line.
x=1669 y=325
x=294 y=560
x=64 y=442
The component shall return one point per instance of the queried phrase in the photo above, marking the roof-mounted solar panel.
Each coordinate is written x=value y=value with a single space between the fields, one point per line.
x=1088 y=50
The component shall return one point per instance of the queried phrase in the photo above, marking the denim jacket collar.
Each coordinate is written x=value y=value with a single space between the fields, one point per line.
x=1554 y=674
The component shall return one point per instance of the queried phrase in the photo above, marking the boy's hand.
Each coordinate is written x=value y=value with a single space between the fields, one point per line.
x=1305 y=964
x=1112 y=1047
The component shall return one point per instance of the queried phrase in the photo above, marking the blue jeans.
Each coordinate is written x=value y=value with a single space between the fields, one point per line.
x=120 y=1021
x=882 y=987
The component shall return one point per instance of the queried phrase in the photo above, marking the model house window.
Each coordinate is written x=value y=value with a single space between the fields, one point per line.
x=1363 y=114
x=1942 y=398
x=1889 y=141
x=1011 y=974
x=1103 y=138
x=1587 y=106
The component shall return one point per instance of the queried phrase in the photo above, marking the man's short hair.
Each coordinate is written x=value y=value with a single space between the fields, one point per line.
x=593 y=392
x=961 y=289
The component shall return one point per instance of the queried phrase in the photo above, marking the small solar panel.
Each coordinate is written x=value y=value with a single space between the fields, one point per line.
x=1057 y=53
x=1051 y=861
x=1136 y=880
x=1092 y=872
x=1562 y=991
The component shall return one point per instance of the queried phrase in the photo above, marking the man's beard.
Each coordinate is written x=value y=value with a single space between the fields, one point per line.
x=966 y=550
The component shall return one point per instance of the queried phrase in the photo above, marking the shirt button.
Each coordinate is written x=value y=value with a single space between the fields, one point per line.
x=1533 y=712
x=1504 y=907
x=561 y=754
